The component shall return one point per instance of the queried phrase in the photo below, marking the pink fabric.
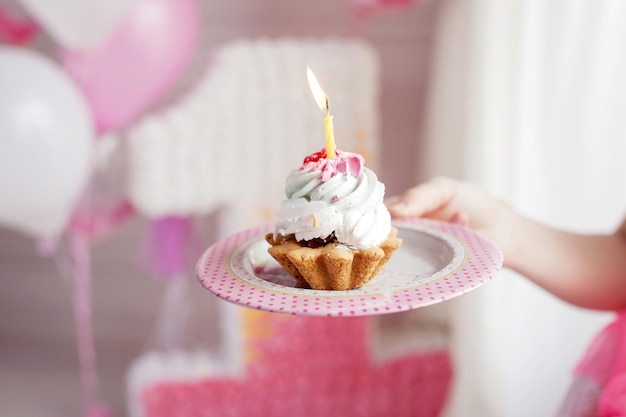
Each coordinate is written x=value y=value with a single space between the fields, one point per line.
x=598 y=360
x=605 y=362
x=613 y=400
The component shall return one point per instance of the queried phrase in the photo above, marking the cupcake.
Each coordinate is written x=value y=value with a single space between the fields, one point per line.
x=333 y=232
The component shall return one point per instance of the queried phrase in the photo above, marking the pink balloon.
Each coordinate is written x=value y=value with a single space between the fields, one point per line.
x=15 y=30
x=139 y=63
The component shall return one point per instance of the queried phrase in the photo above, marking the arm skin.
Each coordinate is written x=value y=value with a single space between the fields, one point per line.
x=585 y=270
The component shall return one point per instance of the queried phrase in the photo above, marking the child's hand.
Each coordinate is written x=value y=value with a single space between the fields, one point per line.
x=585 y=270
x=458 y=202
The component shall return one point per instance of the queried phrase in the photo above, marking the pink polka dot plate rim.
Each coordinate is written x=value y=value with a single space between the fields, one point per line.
x=437 y=261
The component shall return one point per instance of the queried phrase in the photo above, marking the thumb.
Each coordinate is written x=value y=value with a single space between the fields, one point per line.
x=423 y=199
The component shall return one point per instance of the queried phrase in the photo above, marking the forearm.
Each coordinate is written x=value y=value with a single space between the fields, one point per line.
x=585 y=270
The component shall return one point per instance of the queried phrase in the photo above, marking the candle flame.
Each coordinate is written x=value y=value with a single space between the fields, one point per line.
x=318 y=93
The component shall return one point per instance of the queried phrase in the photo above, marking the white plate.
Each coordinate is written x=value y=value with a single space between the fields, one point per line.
x=436 y=262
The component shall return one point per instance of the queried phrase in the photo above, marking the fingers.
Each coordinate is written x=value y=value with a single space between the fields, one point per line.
x=425 y=199
x=461 y=218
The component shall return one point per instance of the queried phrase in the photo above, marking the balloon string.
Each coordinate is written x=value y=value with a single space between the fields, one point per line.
x=81 y=296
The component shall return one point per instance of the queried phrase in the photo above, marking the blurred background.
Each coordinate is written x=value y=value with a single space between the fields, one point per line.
x=130 y=123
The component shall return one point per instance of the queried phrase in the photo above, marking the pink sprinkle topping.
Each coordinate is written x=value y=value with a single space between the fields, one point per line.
x=316 y=157
x=345 y=162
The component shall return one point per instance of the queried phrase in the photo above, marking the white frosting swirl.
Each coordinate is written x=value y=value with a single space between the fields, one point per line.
x=343 y=197
x=308 y=220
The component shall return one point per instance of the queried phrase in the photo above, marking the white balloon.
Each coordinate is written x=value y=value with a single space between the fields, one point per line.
x=46 y=143
x=78 y=24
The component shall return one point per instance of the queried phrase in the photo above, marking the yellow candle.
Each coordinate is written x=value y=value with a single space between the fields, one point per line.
x=330 y=137
x=322 y=102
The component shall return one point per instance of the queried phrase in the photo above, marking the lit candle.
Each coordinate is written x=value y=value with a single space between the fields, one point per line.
x=322 y=102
